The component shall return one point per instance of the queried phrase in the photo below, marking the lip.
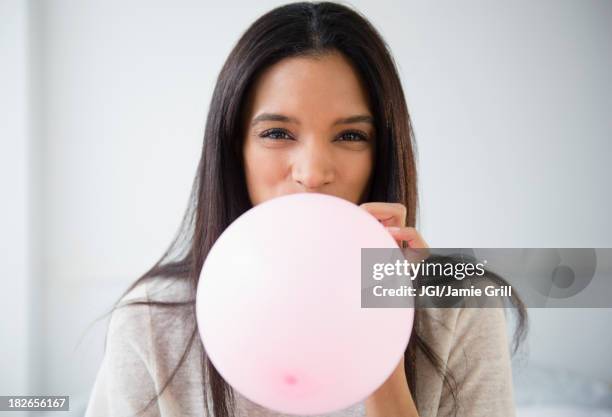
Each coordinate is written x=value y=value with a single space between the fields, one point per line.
x=310 y=192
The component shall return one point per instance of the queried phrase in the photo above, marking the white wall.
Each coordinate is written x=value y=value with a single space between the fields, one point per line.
x=511 y=104
x=15 y=176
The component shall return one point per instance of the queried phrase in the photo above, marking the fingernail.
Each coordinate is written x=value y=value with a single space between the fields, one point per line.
x=393 y=229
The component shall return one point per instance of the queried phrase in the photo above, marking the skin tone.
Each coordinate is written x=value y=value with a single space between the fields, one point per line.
x=308 y=128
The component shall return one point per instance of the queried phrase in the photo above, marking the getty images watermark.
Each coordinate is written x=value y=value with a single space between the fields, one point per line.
x=485 y=277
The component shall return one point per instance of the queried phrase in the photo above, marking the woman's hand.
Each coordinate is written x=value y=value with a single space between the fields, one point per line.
x=393 y=398
x=393 y=217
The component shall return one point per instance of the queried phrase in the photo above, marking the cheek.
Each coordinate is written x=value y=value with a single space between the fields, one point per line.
x=356 y=169
x=264 y=168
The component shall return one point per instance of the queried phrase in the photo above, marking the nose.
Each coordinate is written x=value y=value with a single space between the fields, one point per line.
x=313 y=167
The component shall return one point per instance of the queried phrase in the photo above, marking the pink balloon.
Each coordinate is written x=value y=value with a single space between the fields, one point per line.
x=279 y=306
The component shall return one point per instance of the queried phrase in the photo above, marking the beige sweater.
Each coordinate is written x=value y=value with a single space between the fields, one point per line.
x=144 y=345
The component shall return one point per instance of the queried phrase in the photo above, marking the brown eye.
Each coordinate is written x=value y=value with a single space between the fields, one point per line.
x=353 y=136
x=275 y=133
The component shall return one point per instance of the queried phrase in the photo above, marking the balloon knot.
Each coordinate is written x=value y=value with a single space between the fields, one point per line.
x=290 y=379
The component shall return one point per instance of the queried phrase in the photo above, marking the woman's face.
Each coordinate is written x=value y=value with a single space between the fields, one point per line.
x=308 y=128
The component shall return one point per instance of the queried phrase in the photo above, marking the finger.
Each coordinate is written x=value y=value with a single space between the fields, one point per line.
x=389 y=214
x=408 y=234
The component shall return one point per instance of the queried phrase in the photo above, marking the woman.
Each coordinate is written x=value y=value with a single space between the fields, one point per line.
x=309 y=100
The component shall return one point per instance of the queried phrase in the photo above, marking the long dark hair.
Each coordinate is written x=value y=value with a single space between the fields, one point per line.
x=219 y=193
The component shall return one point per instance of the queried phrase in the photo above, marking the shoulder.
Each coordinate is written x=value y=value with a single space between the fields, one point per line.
x=148 y=294
x=135 y=359
x=136 y=320
x=130 y=326
x=472 y=344
x=480 y=323
x=472 y=332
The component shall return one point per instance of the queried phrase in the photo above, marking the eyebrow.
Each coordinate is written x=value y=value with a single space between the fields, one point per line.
x=275 y=117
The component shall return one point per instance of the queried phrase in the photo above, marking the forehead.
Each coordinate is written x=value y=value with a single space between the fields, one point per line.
x=322 y=87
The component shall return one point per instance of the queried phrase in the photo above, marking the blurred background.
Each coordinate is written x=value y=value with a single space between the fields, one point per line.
x=102 y=109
